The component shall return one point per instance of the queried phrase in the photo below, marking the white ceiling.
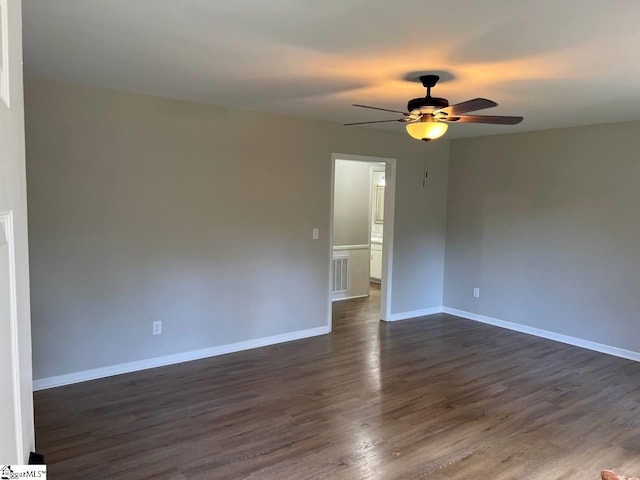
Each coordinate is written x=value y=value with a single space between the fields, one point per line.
x=557 y=62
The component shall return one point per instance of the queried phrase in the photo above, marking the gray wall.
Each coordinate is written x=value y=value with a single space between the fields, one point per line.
x=546 y=224
x=143 y=209
x=420 y=229
x=13 y=198
x=351 y=203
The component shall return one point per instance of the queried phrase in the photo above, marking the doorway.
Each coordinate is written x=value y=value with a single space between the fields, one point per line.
x=361 y=230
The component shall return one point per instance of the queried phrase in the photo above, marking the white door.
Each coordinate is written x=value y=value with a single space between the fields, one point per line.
x=8 y=444
x=16 y=402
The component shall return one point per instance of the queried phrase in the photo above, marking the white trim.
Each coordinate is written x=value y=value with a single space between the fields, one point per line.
x=6 y=223
x=387 y=235
x=394 y=317
x=83 y=376
x=4 y=73
x=538 y=332
x=378 y=169
x=330 y=262
x=370 y=217
x=337 y=248
x=339 y=299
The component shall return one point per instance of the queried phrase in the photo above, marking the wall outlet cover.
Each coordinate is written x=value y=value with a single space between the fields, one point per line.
x=157 y=328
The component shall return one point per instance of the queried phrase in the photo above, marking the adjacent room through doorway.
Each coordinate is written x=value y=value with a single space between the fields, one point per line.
x=361 y=228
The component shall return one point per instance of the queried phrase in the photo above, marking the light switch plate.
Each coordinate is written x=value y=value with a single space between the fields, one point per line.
x=316 y=233
x=476 y=292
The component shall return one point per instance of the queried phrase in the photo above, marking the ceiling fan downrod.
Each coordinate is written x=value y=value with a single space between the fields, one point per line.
x=429 y=81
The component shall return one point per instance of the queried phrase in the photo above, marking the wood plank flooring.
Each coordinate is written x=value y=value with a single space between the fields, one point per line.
x=439 y=398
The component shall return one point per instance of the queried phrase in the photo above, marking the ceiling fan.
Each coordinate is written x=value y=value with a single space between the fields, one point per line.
x=428 y=117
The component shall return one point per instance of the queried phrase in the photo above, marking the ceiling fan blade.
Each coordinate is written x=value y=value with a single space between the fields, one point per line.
x=494 y=119
x=382 y=109
x=375 y=121
x=468 y=106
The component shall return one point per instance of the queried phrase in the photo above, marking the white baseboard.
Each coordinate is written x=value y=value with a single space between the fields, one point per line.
x=538 y=332
x=83 y=376
x=339 y=299
x=394 y=317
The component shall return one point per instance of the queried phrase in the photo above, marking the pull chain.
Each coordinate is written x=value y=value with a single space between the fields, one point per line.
x=426 y=168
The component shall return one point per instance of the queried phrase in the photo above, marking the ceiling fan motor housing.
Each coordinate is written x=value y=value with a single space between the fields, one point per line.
x=426 y=104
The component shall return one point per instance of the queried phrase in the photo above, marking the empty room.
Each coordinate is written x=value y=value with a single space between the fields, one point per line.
x=319 y=240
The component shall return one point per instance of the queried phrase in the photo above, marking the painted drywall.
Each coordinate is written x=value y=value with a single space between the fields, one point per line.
x=420 y=229
x=351 y=223
x=357 y=269
x=351 y=203
x=143 y=209
x=546 y=225
x=16 y=401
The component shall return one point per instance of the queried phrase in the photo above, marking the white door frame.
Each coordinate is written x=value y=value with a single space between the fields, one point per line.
x=7 y=241
x=387 y=229
x=372 y=169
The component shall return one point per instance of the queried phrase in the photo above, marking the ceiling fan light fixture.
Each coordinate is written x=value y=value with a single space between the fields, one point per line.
x=427 y=128
x=427 y=118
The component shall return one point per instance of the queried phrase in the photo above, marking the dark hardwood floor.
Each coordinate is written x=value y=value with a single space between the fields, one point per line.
x=438 y=397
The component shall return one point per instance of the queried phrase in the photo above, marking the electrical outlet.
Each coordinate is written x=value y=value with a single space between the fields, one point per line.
x=316 y=233
x=476 y=292
x=157 y=327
